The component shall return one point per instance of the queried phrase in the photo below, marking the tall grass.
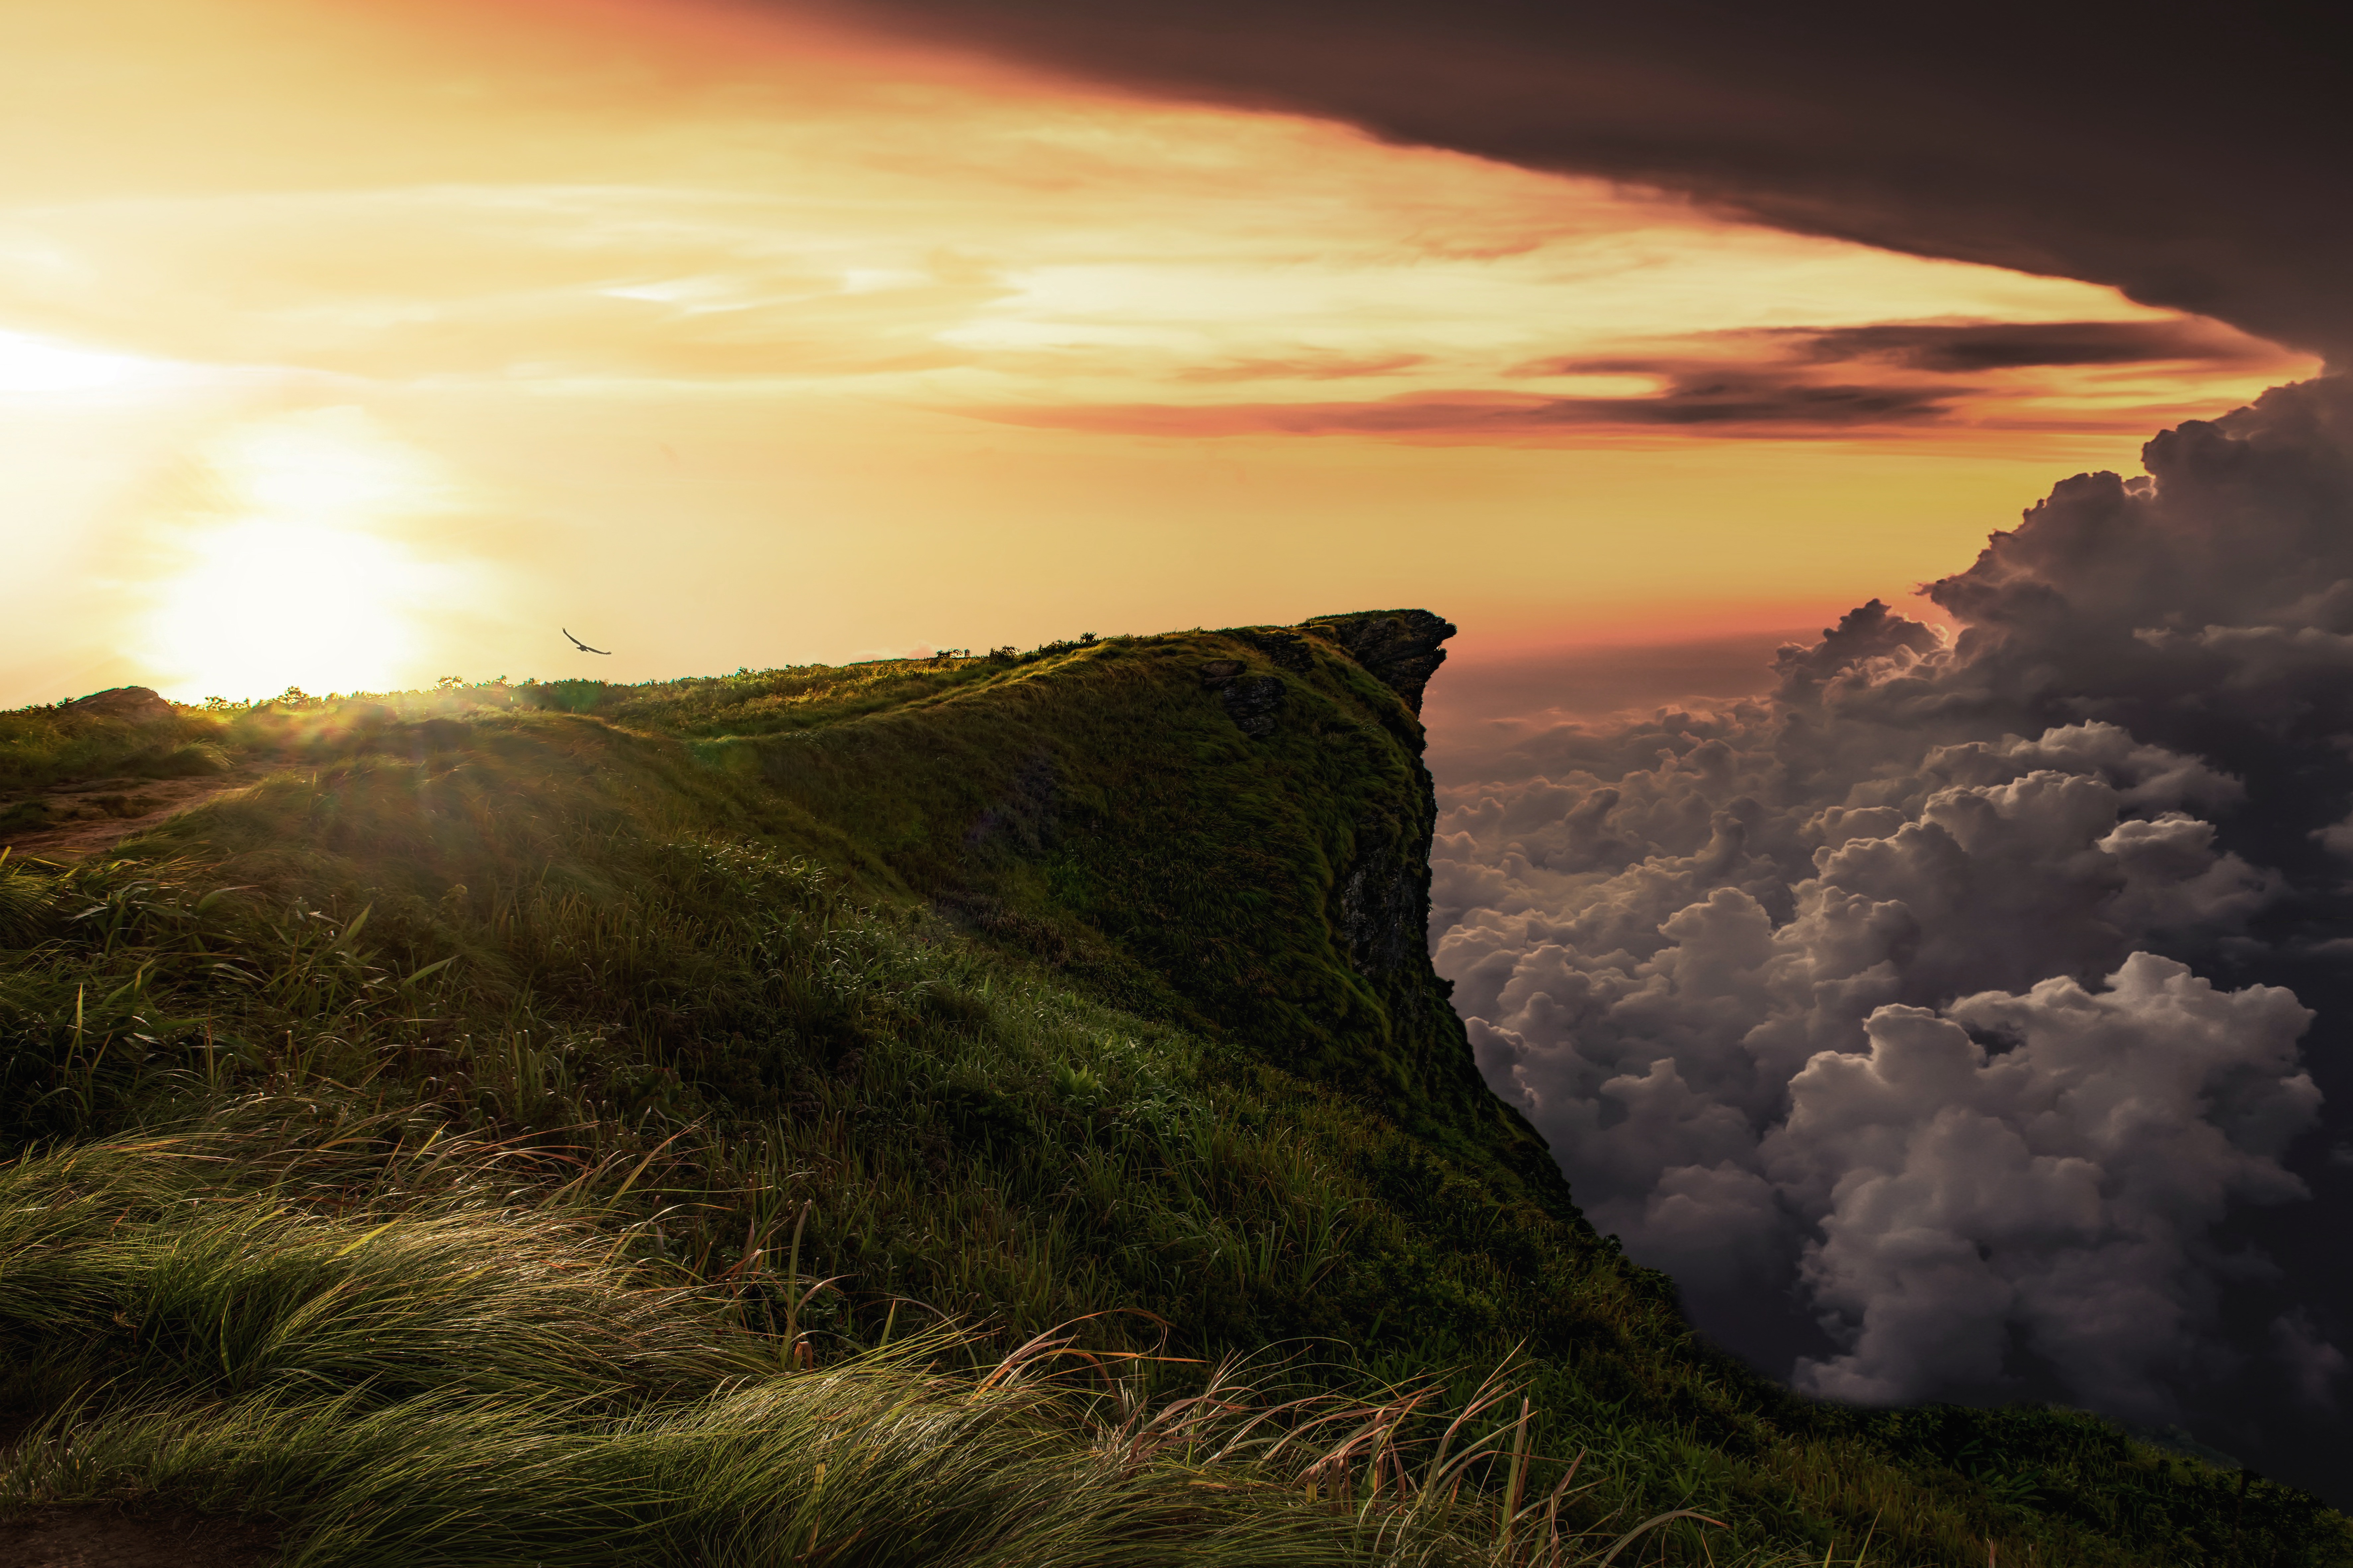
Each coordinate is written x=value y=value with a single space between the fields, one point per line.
x=421 y=1370
x=671 y=1023
x=46 y=746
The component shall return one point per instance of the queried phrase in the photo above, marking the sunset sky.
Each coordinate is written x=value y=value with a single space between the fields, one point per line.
x=350 y=346
x=356 y=344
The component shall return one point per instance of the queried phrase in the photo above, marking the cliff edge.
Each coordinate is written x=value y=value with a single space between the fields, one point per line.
x=1230 y=828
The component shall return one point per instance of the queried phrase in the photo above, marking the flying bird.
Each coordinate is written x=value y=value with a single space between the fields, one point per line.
x=583 y=648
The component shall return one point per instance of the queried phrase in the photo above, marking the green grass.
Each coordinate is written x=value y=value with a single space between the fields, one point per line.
x=404 y=1366
x=379 y=1343
x=41 y=746
x=1016 y=996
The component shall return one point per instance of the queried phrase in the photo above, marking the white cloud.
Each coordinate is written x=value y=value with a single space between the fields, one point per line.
x=1858 y=990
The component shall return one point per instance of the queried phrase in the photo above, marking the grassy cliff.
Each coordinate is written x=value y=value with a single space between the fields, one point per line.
x=687 y=1121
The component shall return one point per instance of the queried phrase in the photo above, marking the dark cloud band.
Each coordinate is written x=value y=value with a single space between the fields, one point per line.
x=1780 y=381
x=1715 y=401
x=1942 y=347
x=2199 y=166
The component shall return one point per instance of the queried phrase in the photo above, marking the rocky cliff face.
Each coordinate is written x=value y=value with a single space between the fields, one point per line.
x=1242 y=826
x=1381 y=896
x=1384 y=891
x=1399 y=647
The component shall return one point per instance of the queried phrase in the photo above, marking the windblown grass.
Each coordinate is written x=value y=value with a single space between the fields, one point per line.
x=426 y=1371
x=856 y=999
x=41 y=746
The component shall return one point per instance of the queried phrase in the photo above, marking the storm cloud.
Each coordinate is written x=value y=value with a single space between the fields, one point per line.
x=1961 y=992
x=2195 y=164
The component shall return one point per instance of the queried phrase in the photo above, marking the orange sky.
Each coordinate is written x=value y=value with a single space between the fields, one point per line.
x=351 y=345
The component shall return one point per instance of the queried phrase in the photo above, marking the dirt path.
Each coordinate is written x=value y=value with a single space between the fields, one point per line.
x=91 y=816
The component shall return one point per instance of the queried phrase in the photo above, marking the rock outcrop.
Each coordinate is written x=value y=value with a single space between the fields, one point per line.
x=1399 y=647
x=134 y=704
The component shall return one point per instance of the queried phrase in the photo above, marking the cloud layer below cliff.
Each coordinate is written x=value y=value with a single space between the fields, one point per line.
x=1954 y=990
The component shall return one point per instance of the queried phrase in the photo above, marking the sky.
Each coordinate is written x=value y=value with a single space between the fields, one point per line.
x=1895 y=828
x=348 y=346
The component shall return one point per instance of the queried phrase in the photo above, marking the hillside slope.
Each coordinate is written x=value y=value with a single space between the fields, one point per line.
x=1080 y=987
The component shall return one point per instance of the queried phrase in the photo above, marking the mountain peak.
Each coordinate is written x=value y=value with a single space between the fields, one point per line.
x=1399 y=647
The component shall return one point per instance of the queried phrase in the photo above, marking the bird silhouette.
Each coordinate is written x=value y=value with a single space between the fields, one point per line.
x=583 y=648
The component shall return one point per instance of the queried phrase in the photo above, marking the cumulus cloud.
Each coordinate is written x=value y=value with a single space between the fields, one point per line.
x=2314 y=1364
x=2057 y=1188
x=1941 y=991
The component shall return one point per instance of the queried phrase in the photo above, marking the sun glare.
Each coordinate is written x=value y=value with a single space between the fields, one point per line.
x=331 y=463
x=303 y=579
x=33 y=364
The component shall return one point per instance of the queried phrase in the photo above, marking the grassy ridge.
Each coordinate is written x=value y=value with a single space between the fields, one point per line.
x=810 y=957
x=44 y=746
x=1099 y=807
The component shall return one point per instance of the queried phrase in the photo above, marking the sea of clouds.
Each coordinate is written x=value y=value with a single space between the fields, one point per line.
x=1947 y=993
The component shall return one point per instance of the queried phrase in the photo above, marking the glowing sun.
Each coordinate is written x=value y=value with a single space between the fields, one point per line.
x=299 y=575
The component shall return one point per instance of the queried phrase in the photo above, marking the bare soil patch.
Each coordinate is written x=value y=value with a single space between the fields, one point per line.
x=106 y=1538
x=76 y=821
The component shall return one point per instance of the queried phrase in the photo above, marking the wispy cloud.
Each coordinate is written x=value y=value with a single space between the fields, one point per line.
x=1723 y=404
x=1844 y=382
